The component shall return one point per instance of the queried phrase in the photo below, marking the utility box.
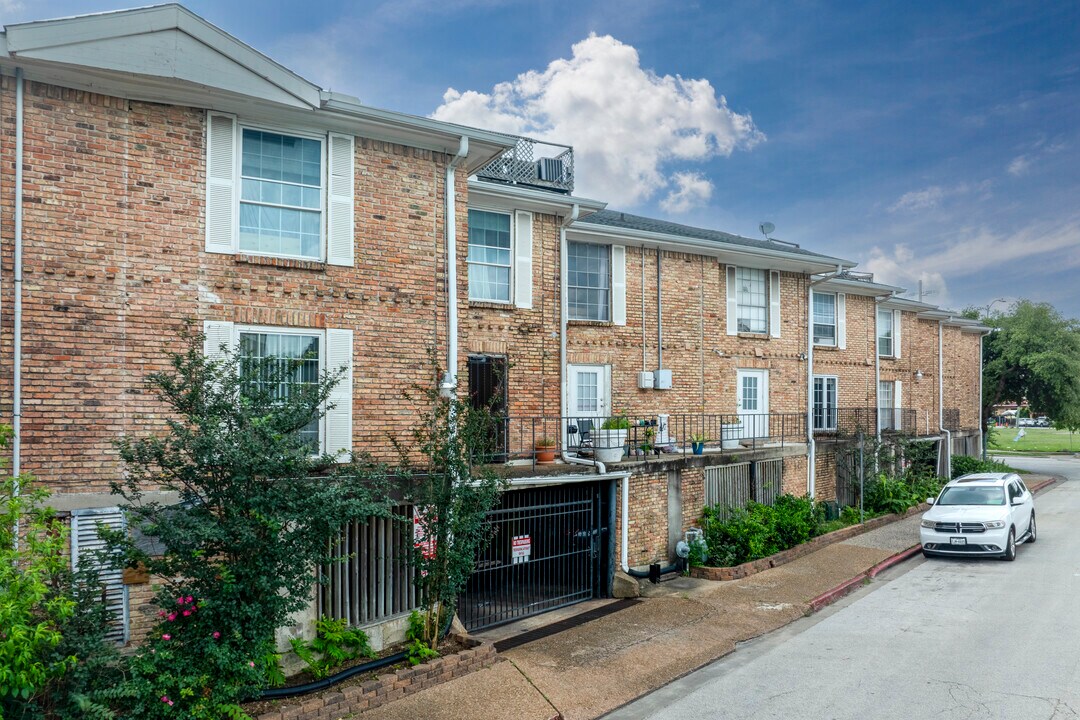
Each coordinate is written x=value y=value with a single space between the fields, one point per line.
x=645 y=380
x=662 y=379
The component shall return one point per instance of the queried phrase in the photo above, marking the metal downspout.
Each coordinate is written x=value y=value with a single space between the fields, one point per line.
x=940 y=407
x=449 y=383
x=982 y=420
x=659 y=312
x=811 y=471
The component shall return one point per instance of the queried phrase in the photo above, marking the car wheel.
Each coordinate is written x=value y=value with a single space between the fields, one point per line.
x=1010 y=547
x=1031 y=529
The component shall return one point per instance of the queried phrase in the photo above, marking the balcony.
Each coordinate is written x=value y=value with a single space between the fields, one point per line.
x=548 y=166
x=516 y=441
x=850 y=422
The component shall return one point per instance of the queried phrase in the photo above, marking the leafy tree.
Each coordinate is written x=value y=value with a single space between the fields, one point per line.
x=451 y=498
x=256 y=513
x=1034 y=353
x=1069 y=419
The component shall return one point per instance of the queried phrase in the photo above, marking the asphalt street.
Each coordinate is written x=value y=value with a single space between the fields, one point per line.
x=944 y=638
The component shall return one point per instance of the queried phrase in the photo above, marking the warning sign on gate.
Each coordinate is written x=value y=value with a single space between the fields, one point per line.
x=520 y=549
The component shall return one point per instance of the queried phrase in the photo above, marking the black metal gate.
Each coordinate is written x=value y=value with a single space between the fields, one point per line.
x=547 y=549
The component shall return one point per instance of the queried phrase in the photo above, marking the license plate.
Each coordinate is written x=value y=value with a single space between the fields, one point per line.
x=958 y=541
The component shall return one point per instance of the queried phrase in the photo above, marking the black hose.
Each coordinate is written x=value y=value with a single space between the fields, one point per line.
x=655 y=571
x=296 y=690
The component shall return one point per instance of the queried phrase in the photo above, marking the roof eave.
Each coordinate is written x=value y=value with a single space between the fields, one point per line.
x=526 y=198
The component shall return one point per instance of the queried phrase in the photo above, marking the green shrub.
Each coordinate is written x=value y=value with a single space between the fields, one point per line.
x=616 y=422
x=966 y=465
x=758 y=531
x=335 y=644
x=418 y=648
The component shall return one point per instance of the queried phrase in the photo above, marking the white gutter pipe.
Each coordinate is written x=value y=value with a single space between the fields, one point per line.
x=449 y=383
x=940 y=394
x=624 y=539
x=16 y=411
x=811 y=471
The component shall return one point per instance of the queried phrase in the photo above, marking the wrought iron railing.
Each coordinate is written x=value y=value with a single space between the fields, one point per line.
x=641 y=437
x=539 y=164
x=849 y=422
x=950 y=419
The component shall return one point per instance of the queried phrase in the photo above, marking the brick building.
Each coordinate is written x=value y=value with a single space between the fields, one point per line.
x=156 y=170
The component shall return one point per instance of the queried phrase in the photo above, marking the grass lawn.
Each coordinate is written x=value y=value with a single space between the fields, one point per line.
x=1035 y=440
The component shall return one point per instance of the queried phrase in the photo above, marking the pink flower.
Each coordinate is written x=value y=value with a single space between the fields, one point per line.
x=179 y=601
x=188 y=599
x=165 y=699
x=166 y=636
x=161 y=613
x=172 y=616
x=187 y=613
x=251 y=664
x=217 y=635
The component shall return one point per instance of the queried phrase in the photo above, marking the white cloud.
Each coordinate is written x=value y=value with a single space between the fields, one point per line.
x=1019 y=165
x=627 y=124
x=691 y=191
x=924 y=199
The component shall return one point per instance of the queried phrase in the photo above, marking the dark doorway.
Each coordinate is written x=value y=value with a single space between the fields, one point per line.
x=487 y=389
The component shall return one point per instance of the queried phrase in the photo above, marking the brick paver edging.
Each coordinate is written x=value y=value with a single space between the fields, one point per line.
x=735 y=572
x=386 y=688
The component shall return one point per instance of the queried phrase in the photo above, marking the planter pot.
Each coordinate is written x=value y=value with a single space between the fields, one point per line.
x=608 y=445
x=730 y=433
x=699 y=448
x=545 y=455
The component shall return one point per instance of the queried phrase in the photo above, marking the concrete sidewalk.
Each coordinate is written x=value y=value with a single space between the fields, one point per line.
x=678 y=626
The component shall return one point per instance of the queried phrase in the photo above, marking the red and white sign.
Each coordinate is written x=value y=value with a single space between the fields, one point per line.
x=520 y=549
x=422 y=541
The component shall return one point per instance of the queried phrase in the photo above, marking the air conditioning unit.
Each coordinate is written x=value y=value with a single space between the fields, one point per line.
x=550 y=169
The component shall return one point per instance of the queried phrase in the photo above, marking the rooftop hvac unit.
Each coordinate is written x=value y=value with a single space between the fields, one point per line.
x=550 y=169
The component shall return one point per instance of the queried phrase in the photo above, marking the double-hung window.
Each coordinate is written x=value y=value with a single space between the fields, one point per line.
x=489 y=256
x=752 y=300
x=886 y=400
x=885 y=333
x=283 y=363
x=588 y=281
x=281 y=195
x=824 y=403
x=825 y=319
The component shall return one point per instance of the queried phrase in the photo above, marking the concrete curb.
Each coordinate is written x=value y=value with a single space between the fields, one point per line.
x=848 y=586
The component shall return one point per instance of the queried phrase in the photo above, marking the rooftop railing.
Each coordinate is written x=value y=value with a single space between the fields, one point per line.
x=849 y=422
x=544 y=165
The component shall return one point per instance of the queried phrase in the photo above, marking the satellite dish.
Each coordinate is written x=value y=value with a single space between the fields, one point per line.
x=766 y=228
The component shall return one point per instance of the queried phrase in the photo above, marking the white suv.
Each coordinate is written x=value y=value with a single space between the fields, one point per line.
x=979 y=514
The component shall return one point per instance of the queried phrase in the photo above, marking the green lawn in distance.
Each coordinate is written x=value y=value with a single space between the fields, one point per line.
x=1035 y=440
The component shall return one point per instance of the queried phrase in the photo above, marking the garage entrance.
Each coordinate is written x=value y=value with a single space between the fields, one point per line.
x=549 y=547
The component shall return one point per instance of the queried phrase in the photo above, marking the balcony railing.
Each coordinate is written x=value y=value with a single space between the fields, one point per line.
x=526 y=440
x=849 y=422
x=544 y=165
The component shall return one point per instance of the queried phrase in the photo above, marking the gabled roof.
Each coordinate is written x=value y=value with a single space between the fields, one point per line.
x=637 y=227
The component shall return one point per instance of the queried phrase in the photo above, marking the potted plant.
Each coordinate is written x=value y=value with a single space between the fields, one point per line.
x=610 y=440
x=545 y=450
x=697 y=442
x=647 y=446
x=730 y=434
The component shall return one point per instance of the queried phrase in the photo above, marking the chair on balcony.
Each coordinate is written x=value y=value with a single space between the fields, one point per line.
x=579 y=435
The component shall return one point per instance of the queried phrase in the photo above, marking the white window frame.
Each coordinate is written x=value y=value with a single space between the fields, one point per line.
x=886 y=413
x=825 y=427
x=610 y=283
x=835 y=323
x=324 y=178
x=765 y=306
x=511 y=268
x=239 y=330
x=891 y=336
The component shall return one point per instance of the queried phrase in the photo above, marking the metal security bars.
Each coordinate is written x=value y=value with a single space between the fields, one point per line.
x=544 y=552
x=371 y=578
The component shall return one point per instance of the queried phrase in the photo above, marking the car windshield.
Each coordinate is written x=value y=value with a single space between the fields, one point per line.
x=978 y=495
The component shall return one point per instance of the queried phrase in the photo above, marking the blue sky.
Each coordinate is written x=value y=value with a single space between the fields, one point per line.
x=933 y=141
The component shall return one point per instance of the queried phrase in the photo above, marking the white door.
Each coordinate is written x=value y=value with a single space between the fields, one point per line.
x=590 y=399
x=752 y=388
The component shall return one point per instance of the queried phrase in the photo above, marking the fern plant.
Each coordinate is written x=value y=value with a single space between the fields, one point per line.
x=335 y=644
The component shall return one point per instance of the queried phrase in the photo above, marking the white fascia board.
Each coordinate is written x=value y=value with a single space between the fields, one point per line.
x=516 y=197
x=899 y=303
x=857 y=287
x=733 y=254
x=484 y=145
x=36 y=39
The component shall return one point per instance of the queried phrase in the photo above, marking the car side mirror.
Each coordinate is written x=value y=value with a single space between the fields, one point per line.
x=929 y=501
x=1018 y=501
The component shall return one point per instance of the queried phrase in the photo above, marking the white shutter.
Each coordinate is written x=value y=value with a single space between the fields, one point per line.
x=841 y=320
x=339 y=354
x=774 y=303
x=216 y=334
x=618 y=284
x=898 y=317
x=898 y=404
x=222 y=203
x=523 y=252
x=85 y=542
x=340 y=221
x=732 y=303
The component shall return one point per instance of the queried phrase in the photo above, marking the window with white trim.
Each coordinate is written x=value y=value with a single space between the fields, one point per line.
x=825 y=319
x=293 y=358
x=489 y=256
x=885 y=333
x=588 y=281
x=752 y=300
x=825 y=403
x=281 y=195
x=886 y=399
